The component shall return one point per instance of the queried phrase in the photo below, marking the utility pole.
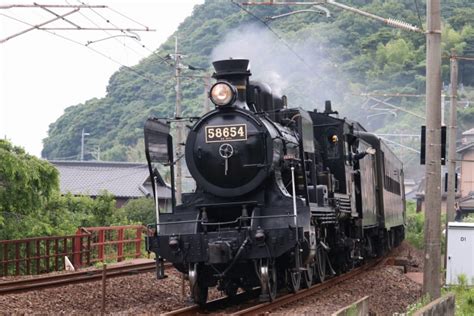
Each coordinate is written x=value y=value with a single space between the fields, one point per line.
x=452 y=140
x=432 y=227
x=179 y=126
x=82 y=143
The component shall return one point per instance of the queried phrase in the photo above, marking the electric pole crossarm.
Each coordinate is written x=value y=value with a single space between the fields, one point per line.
x=36 y=5
x=38 y=26
x=58 y=16
x=294 y=12
x=62 y=18
x=93 y=29
x=282 y=3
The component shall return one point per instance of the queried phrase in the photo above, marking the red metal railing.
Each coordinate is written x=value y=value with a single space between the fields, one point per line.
x=113 y=243
x=87 y=246
x=41 y=254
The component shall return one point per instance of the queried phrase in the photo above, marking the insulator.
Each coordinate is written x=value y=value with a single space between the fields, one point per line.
x=402 y=25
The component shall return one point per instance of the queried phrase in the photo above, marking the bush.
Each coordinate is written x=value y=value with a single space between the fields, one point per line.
x=464 y=296
x=140 y=211
x=415 y=226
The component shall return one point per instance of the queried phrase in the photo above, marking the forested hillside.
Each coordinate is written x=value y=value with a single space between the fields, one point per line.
x=309 y=57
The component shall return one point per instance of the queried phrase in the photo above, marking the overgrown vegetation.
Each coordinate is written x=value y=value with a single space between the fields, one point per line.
x=464 y=297
x=415 y=225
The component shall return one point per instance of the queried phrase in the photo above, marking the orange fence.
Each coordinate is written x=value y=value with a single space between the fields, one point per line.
x=114 y=243
x=87 y=246
x=41 y=254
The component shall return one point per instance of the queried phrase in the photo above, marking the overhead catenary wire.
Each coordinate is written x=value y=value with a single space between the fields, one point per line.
x=105 y=31
x=135 y=39
x=288 y=46
x=88 y=47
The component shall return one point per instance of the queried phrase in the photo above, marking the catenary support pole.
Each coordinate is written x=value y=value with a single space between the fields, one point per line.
x=179 y=125
x=432 y=227
x=452 y=139
x=451 y=175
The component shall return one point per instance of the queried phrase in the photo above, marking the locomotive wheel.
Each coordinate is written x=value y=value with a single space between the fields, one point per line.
x=308 y=275
x=197 y=285
x=268 y=279
x=320 y=265
x=293 y=274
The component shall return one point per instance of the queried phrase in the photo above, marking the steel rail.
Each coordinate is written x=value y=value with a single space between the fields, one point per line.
x=290 y=298
x=56 y=280
x=217 y=304
x=225 y=302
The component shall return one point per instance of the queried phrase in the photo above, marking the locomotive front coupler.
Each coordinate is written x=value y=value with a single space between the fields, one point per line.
x=236 y=257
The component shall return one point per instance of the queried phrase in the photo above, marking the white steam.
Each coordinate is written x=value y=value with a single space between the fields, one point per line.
x=307 y=83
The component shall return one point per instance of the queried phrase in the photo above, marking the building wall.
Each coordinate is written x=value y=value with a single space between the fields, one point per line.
x=467 y=173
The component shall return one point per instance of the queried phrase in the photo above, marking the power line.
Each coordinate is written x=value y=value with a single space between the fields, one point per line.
x=88 y=47
x=123 y=15
x=419 y=15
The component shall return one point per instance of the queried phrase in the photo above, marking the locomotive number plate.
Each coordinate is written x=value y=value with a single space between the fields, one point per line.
x=226 y=133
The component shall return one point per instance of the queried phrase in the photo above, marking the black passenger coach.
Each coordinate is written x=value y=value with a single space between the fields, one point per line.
x=284 y=197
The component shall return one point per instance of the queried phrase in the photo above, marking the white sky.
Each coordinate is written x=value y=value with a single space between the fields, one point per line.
x=41 y=74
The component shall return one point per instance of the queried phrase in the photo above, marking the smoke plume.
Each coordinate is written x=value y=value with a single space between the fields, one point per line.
x=307 y=82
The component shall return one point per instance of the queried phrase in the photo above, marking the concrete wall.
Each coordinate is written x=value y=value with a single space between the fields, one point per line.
x=445 y=306
x=359 y=308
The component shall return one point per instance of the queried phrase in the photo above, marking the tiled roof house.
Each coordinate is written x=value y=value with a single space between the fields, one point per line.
x=124 y=180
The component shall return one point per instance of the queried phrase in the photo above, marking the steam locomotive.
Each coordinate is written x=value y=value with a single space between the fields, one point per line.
x=284 y=197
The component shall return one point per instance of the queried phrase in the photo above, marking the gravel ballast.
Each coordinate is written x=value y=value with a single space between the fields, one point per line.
x=389 y=289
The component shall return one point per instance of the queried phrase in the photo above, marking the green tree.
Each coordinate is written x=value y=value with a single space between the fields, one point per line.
x=26 y=182
x=140 y=211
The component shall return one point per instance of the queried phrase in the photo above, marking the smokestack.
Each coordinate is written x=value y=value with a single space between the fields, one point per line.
x=236 y=72
x=328 y=108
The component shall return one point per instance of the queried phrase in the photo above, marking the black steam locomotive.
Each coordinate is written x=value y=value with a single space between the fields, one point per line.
x=284 y=197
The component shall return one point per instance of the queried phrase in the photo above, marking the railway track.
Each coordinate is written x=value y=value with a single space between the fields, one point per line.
x=49 y=281
x=251 y=307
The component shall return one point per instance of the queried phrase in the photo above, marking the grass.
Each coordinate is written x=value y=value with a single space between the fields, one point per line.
x=464 y=296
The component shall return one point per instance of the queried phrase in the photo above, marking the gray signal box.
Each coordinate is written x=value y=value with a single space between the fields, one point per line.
x=460 y=252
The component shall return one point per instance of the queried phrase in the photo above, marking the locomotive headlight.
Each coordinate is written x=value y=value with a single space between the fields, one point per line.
x=222 y=94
